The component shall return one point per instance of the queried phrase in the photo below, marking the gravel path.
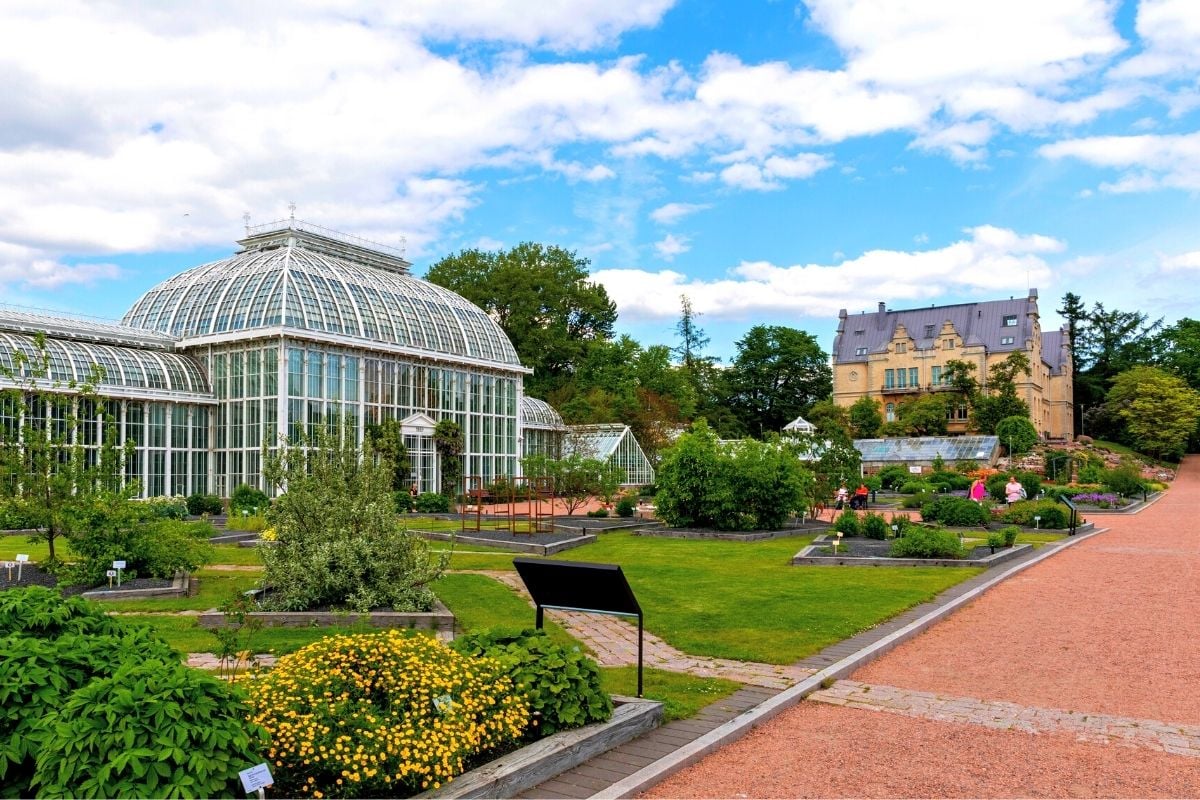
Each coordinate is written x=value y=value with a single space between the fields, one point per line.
x=1108 y=626
x=822 y=751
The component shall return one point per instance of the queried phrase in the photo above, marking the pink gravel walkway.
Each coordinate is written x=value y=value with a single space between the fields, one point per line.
x=1109 y=626
x=815 y=750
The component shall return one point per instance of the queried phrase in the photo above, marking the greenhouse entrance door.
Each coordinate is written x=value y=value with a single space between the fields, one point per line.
x=422 y=457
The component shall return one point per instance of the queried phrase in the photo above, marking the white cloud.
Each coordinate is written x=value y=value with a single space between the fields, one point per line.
x=1152 y=161
x=672 y=246
x=766 y=177
x=1183 y=262
x=673 y=212
x=987 y=260
x=1170 y=35
x=487 y=243
x=21 y=266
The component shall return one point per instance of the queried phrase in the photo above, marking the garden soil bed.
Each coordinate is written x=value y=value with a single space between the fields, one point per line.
x=440 y=620
x=538 y=544
x=33 y=575
x=521 y=770
x=858 y=551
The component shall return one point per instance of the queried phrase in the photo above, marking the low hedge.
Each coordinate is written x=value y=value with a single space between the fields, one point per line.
x=958 y=511
x=920 y=541
x=1052 y=515
x=848 y=523
x=874 y=526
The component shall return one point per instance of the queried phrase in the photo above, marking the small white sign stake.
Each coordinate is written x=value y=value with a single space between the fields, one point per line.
x=111 y=573
x=118 y=566
x=8 y=565
x=256 y=779
x=21 y=559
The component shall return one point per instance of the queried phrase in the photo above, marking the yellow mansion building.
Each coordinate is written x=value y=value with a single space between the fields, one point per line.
x=894 y=355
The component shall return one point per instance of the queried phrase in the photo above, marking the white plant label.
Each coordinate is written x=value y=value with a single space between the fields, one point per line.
x=255 y=778
x=118 y=565
x=22 y=557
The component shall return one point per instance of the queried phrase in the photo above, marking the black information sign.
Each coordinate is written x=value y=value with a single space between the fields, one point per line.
x=581 y=586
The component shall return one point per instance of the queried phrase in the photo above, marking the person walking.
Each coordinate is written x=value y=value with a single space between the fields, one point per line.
x=978 y=491
x=1013 y=490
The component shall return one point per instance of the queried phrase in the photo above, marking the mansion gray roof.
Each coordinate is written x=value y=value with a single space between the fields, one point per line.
x=861 y=335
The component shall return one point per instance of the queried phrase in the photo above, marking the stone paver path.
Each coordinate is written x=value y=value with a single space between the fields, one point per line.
x=211 y=661
x=1101 y=728
x=614 y=642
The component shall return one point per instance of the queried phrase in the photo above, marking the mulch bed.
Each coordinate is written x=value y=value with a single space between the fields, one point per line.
x=33 y=575
x=509 y=536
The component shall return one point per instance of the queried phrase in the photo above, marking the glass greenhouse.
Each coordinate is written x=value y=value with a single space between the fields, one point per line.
x=923 y=450
x=542 y=428
x=299 y=329
x=614 y=443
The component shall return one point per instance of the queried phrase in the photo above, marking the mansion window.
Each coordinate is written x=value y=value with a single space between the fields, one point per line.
x=1010 y=321
x=861 y=351
x=936 y=376
x=1007 y=339
x=901 y=347
x=891 y=412
x=947 y=344
x=929 y=331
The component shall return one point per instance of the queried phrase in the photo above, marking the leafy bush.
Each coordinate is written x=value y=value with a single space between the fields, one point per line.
x=872 y=482
x=995 y=539
x=339 y=542
x=1010 y=534
x=1125 y=480
x=14 y=518
x=917 y=500
x=916 y=487
x=404 y=502
x=432 y=503
x=1017 y=434
x=953 y=481
x=165 y=508
x=153 y=728
x=44 y=613
x=957 y=511
x=246 y=498
x=598 y=512
x=409 y=714
x=847 y=522
x=626 y=506
x=902 y=523
x=155 y=549
x=874 y=526
x=560 y=683
x=198 y=504
x=893 y=476
x=1053 y=515
x=920 y=541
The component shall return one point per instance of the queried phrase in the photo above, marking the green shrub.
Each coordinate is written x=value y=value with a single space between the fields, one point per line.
x=1010 y=534
x=872 y=482
x=625 y=507
x=916 y=487
x=198 y=504
x=14 y=518
x=599 y=512
x=44 y=613
x=561 y=683
x=432 y=503
x=893 y=476
x=874 y=526
x=917 y=500
x=1125 y=480
x=246 y=498
x=1053 y=515
x=152 y=729
x=995 y=539
x=847 y=522
x=156 y=549
x=920 y=541
x=953 y=481
x=404 y=502
x=902 y=523
x=957 y=511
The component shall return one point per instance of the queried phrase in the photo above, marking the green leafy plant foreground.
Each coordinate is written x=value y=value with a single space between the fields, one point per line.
x=561 y=683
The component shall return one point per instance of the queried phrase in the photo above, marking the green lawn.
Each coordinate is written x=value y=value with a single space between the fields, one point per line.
x=682 y=695
x=233 y=554
x=743 y=600
x=186 y=636
x=38 y=551
x=215 y=588
x=478 y=602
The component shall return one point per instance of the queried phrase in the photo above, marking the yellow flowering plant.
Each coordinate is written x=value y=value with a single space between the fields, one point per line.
x=381 y=715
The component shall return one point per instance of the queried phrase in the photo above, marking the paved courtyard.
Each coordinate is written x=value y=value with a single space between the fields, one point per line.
x=1079 y=677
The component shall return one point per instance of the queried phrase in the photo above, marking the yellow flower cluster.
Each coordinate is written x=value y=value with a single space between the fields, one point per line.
x=381 y=715
x=268 y=535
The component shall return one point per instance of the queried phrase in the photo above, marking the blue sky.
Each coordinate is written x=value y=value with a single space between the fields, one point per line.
x=774 y=161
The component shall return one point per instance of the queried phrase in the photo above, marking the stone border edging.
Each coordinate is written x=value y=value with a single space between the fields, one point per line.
x=440 y=620
x=178 y=588
x=737 y=727
x=803 y=558
x=536 y=763
x=532 y=548
x=729 y=536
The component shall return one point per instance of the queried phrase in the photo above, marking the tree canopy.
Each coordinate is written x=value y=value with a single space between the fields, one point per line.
x=542 y=298
x=777 y=375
